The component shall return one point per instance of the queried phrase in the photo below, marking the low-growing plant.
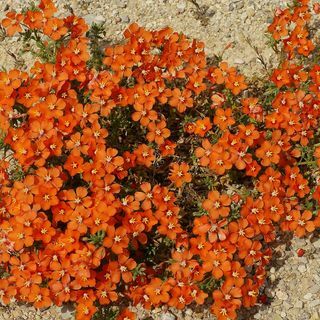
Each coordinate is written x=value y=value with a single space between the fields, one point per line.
x=141 y=175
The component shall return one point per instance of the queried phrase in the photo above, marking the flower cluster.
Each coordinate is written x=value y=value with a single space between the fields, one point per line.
x=142 y=175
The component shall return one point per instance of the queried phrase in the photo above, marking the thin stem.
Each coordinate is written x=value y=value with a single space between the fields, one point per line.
x=307 y=162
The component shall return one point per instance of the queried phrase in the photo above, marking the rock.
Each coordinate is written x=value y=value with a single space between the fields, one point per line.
x=181 y=6
x=16 y=313
x=308 y=296
x=5 y=316
x=299 y=304
x=314 y=303
x=302 y=268
x=283 y=314
x=117 y=19
x=250 y=11
x=240 y=5
x=156 y=310
x=272 y=270
x=257 y=316
x=121 y=3
x=67 y=311
x=315 y=316
x=314 y=289
x=282 y=295
x=93 y=18
x=189 y=312
x=236 y=4
x=125 y=19
x=316 y=244
x=316 y=277
x=269 y=292
x=238 y=61
x=167 y=316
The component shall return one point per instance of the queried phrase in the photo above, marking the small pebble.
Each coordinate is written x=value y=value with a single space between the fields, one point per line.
x=181 y=6
x=302 y=268
x=316 y=244
x=189 y=312
x=125 y=19
x=282 y=295
x=250 y=11
x=167 y=316
x=308 y=296
x=314 y=303
x=315 y=316
x=121 y=3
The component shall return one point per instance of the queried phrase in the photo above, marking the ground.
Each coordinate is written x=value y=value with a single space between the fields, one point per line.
x=293 y=291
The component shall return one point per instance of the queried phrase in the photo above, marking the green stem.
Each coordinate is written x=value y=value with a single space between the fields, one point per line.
x=307 y=162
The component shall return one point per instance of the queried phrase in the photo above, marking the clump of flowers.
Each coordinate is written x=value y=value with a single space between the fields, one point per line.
x=140 y=175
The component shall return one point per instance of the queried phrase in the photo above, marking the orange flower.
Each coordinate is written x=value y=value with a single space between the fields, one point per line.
x=217 y=205
x=54 y=28
x=157 y=132
x=144 y=114
x=301 y=223
x=269 y=153
x=106 y=293
x=224 y=310
x=85 y=310
x=40 y=297
x=145 y=196
x=236 y=84
x=240 y=230
x=12 y=23
x=8 y=291
x=204 y=152
x=116 y=239
x=218 y=99
x=34 y=19
x=202 y=126
x=228 y=294
x=223 y=118
x=145 y=155
x=126 y=314
x=181 y=99
x=179 y=174
x=250 y=292
x=158 y=291
x=217 y=264
x=74 y=163
x=223 y=72
x=48 y=8
x=220 y=160
x=77 y=199
x=167 y=148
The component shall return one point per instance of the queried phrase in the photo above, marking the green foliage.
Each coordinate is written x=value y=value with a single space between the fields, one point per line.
x=106 y=313
x=209 y=284
x=96 y=239
x=96 y=34
x=139 y=270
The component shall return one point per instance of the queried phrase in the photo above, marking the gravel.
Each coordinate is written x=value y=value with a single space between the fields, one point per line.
x=218 y=23
x=293 y=287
